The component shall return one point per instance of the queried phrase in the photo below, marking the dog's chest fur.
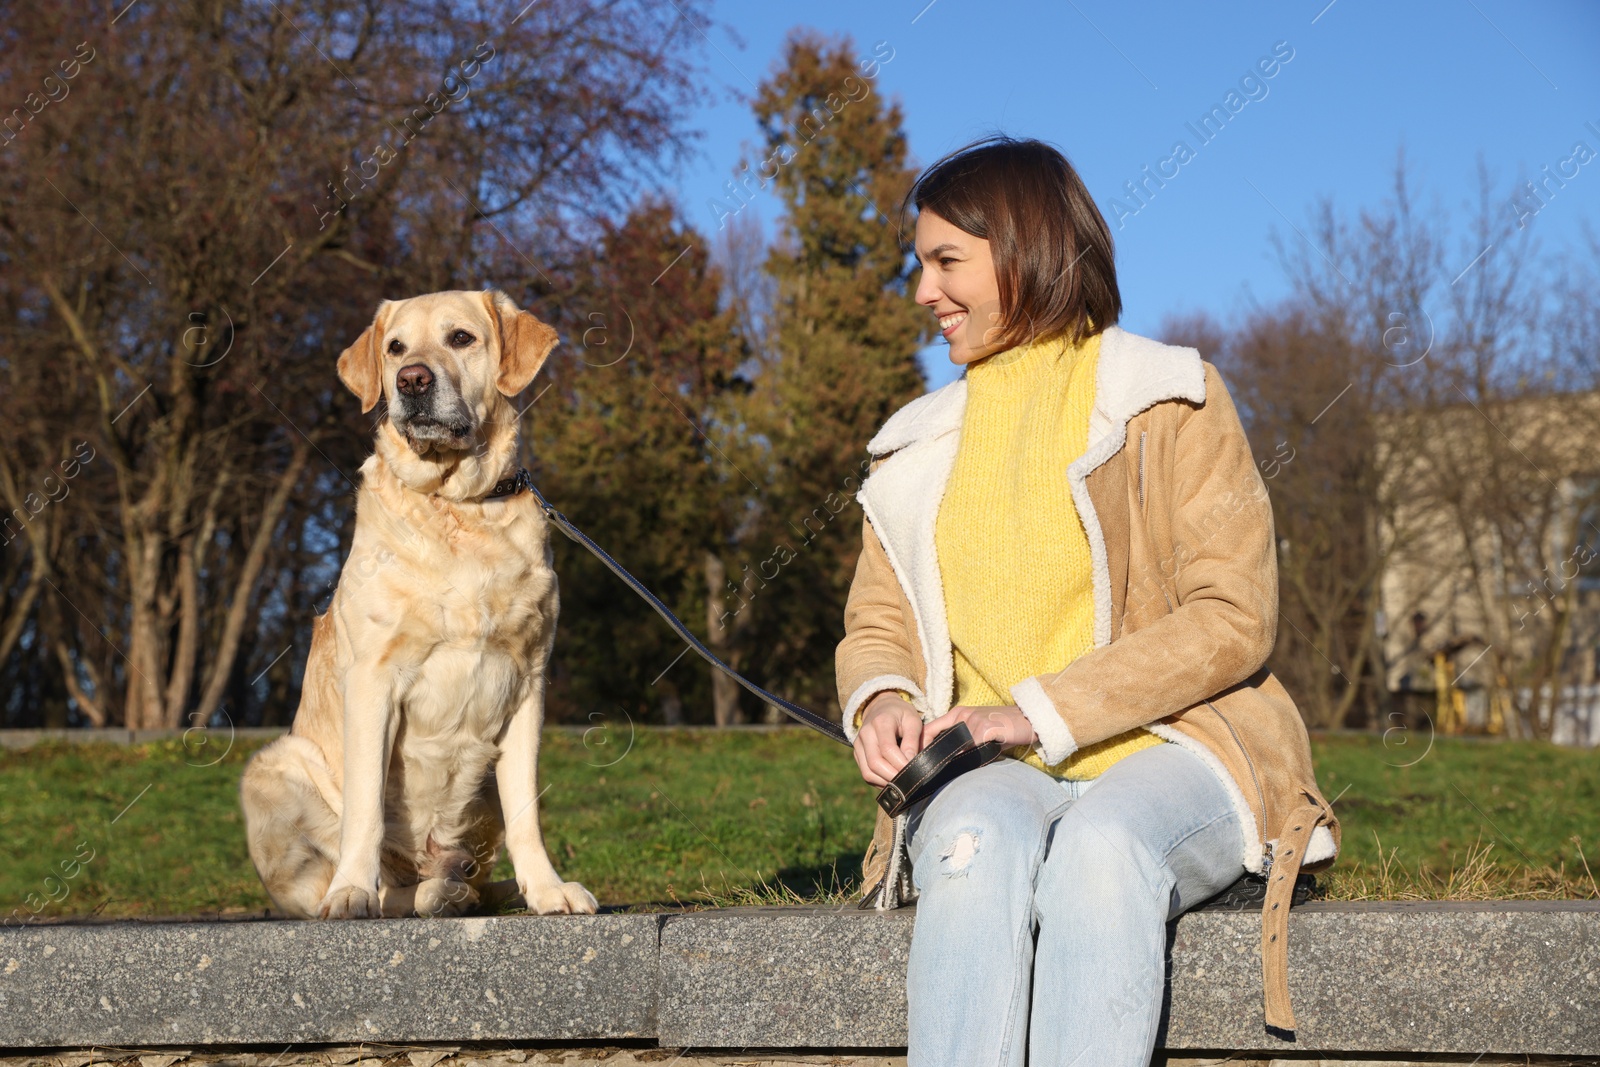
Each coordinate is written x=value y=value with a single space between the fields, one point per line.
x=465 y=610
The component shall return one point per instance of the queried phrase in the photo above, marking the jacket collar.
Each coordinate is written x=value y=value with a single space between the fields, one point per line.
x=1133 y=374
x=901 y=497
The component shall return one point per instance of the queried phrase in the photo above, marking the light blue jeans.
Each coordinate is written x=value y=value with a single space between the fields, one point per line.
x=1006 y=855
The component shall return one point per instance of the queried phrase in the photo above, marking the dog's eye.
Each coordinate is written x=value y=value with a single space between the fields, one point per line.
x=461 y=339
x=396 y=347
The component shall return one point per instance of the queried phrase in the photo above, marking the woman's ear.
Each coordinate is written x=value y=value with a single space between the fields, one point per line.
x=361 y=365
x=525 y=343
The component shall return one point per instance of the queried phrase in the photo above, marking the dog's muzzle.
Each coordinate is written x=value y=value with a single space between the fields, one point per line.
x=427 y=411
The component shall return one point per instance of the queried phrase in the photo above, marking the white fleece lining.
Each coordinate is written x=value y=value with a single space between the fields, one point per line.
x=922 y=419
x=1132 y=374
x=1320 y=847
x=1056 y=742
x=1252 y=855
x=1078 y=483
x=901 y=500
x=873 y=686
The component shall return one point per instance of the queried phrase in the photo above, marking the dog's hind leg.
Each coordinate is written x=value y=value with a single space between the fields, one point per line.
x=447 y=874
x=291 y=829
x=436 y=898
x=444 y=897
x=493 y=896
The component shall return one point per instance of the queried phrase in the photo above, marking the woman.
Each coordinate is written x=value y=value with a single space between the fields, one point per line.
x=1070 y=550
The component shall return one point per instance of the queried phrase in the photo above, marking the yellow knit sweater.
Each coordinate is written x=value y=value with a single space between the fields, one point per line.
x=1018 y=575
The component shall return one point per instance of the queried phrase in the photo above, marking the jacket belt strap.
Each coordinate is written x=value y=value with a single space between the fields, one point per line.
x=1286 y=860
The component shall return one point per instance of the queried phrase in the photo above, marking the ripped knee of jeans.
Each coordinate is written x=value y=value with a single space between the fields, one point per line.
x=955 y=861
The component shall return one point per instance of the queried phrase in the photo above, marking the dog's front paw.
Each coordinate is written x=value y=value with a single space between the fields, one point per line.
x=560 y=898
x=349 y=902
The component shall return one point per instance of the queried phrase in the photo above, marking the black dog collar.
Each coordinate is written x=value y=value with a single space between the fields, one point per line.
x=517 y=483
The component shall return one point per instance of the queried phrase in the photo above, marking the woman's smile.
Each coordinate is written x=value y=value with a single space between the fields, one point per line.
x=958 y=273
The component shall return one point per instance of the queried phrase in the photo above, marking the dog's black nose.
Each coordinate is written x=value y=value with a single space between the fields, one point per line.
x=414 y=380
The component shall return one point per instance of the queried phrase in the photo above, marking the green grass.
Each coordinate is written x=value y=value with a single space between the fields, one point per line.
x=682 y=816
x=1504 y=819
x=746 y=817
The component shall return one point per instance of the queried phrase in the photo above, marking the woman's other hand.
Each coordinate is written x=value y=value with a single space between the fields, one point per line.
x=889 y=738
x=1006 y=724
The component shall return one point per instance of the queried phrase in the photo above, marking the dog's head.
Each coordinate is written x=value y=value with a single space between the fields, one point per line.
x=443 y=363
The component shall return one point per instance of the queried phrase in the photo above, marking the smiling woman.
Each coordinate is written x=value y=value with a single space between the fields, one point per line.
x=1007 y=516
x=1012 y=249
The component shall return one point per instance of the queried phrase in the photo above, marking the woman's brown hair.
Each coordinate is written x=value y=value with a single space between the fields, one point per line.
x=1052 y=249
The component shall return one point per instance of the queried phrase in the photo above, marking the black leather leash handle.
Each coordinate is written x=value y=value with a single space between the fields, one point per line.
x=947 y=756
x=952 y=753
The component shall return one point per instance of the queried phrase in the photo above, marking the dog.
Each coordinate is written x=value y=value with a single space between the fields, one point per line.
x=414 y=752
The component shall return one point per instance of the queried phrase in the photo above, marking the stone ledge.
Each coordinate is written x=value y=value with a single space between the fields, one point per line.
x=1505 y=977
x=1499 y=978
x=491 y=1054
x=282 y=981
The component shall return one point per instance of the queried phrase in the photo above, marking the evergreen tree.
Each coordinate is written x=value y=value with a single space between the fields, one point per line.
x=841 y=353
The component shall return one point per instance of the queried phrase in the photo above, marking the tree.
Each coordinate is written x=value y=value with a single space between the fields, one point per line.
x=844 y=335
x=635 y=443
x=1506 y=474
x=1426 y=433
x=1318 y=379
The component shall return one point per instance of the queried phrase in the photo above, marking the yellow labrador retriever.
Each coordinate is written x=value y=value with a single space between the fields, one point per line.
x=414 y=752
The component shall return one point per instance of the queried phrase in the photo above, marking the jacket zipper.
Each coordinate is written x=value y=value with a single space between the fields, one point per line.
x=1141 y=468
x=1255 y=780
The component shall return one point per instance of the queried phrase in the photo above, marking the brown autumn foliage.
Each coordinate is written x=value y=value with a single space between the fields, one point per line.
x=194 y=224
x=635 y=442
x=215 y=207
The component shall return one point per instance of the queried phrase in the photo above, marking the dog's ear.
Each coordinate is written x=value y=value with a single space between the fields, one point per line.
x=361 y=365
x=525 y=342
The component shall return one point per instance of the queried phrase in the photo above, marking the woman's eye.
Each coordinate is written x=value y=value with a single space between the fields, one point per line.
x=945 y=261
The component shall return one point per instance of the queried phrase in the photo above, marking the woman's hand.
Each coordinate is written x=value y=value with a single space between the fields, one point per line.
x=889 y=738
x=892 y=733
x=1006 y=724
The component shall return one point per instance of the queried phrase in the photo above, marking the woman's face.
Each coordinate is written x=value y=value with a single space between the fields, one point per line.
x=959 y=286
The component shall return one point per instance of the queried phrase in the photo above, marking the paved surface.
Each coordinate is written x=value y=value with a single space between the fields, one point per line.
x=403 y=1056
x=1474 y=980
x=480 y=1056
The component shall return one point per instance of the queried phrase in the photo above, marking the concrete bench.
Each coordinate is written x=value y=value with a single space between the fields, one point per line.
x=1463 y=978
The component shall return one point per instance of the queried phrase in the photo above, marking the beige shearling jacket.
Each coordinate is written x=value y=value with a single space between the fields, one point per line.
x=1185 y=605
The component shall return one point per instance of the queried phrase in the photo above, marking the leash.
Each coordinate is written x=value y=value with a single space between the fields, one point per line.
x=823 y=726
x=952 y=753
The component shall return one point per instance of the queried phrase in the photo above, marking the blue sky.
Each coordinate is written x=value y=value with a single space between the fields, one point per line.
x=1114 y=85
